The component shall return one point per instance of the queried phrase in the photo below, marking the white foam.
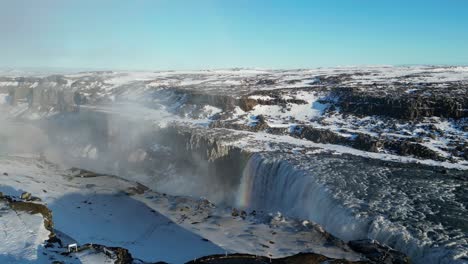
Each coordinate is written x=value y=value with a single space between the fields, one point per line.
x=275 y=185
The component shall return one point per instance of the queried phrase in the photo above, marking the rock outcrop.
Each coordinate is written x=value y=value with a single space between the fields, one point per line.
x=401 y=105
x=389 y=257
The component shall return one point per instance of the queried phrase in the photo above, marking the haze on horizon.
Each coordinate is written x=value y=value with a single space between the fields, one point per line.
x=204 y=34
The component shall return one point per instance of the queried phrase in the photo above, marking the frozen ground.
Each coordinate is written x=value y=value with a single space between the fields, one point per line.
x=417 y=111
x=22 y=236
x=152 y=226
x=366 y=152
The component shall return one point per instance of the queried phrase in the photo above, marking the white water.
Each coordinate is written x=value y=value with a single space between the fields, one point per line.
x=275 y=185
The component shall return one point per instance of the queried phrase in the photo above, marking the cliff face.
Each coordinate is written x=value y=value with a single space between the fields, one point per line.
x=42 y=94
x=367 y=143
x=225 y=102
x=215 y=163
x=374 y=160
x=333 y=191
x=396 y=115
x=403 y=106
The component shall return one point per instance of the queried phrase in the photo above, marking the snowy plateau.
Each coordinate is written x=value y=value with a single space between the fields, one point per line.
x=326 y=165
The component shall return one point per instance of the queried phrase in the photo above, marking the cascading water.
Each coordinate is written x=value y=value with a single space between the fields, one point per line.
x=276 y=185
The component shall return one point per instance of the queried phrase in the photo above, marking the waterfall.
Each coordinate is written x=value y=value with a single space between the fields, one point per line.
x=276 y=185
x=194 y=163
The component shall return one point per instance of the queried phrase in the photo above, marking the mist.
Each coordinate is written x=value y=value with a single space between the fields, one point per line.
x=118 y=141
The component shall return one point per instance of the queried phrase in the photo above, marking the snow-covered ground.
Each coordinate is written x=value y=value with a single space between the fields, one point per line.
x=97 y=210
x=152 y=226
x=22 y=236
x=385 y=191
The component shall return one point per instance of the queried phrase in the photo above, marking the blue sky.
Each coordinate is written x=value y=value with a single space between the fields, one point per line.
x=196 y=34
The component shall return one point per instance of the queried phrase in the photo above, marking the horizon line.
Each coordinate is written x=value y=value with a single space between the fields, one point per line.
x=102 y=69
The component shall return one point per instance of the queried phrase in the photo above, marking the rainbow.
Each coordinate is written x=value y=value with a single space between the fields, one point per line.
x=245 y=192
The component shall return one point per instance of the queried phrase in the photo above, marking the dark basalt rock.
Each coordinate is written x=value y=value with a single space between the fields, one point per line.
x=278 y=130
x=193 y=150
x=246 y=104
x=280 y=101
x=250 y=259
x=401 y=147
x=138 y=189
x=366 y=142
x=377 y=252
x=266 y=82
x=406 y=148
x=123 y=255
x=318 y=135
x=43 y=93
x=332 y=80
x=224 y=102
x=260 y=124
x=401 y=105
x=235 y=212
x=301 y=258
x=228 y=103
